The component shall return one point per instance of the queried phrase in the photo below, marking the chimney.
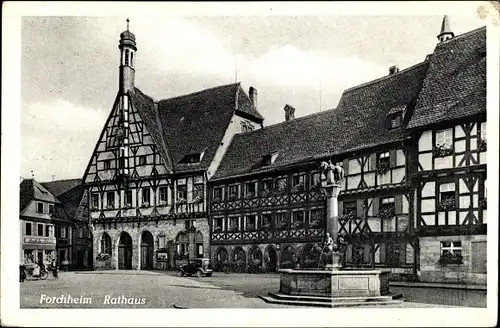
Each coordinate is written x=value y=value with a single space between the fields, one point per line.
x=393 y=69
x=289 y=113
x=252 y=92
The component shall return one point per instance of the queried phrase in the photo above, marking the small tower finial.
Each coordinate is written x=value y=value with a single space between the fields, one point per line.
x=128 y=22
x=446 y=32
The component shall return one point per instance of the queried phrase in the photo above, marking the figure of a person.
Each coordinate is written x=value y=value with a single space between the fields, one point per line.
x=328 y=242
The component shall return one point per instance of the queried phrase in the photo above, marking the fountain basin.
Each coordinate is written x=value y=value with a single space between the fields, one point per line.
x=334 y=283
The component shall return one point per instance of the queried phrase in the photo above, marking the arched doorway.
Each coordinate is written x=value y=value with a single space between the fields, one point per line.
x=255 y=260
x=287 y=258
x=147 y=250
x=271 y=259
x=221 y=256
x=239 y=260
x=199 y=244
x=125 y=252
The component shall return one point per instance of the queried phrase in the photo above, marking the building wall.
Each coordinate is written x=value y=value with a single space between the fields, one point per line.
x=473 y=269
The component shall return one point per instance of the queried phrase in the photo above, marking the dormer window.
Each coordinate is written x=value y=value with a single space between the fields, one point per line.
x=192 y=158
x=269 y=159
x=39 y=207
x=395 y=121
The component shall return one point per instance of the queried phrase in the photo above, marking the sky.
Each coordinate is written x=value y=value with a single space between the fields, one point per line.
x=69 y=68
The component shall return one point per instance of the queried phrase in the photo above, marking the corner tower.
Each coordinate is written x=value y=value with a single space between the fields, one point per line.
x=127 y=51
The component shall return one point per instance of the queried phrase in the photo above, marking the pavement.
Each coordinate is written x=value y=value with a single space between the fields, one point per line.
x=160 y=289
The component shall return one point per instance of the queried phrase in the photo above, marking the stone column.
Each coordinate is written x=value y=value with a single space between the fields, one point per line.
x=332 y=223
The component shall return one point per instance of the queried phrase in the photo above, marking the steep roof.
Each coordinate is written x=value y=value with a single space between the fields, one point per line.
x=30 y=189
x=59 y=187
x=193 y=123
x=455 y=86
x=358 y=122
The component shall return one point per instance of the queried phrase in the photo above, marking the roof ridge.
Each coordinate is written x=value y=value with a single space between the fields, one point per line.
x=202 y=91
x=71 y=179
x=460 y=36
x=380 y=79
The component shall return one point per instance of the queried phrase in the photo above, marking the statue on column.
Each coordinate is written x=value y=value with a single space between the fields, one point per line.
x=330 y=173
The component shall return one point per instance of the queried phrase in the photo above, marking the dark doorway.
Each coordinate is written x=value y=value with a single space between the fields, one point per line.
x=147 y=251
x=125 y=252
x=271 y=259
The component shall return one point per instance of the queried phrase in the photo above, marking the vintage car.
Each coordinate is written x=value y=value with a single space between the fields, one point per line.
x=198 y=266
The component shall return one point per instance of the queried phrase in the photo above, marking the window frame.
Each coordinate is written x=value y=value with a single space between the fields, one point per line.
x=38 y=226
x=163 y=191
x=145 y=200
x=395 y=118
x=28 y=232
x=38 y=207
x=445 y=135
x=108 y=205
x=51 y=209
x=107 y=164
x=128 y=198
x=142 y=160
x=94 y=201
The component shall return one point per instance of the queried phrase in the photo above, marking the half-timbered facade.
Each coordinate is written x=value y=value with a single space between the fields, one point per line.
x=148 y=173
x=449 y=141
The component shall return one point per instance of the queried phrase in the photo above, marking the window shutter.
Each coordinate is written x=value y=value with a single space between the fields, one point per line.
x=375 y=205
x=373 y=159
x=392 y=158
x=341 y=208
x=346 y=167
x=360 y=208
x=398 y=204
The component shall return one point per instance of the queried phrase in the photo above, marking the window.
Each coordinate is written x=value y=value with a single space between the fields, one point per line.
x=145 y=196
x=250 y=189
x=451 y=247
x=62 y=232
x=383 y=166
x=269 y=159
x=393 y=254
x=280 y=185
x=387 y=208
x=51 y=209
x=142 y=160
x=106 y=244
x=94 y=201
x=251 y=222
x=234 y=224
x=315 y=180
x=298 y=183
x=233 y=192
x=192 y=158
x=298 y=220
x=316 y=219
x=40 y=229
x=110 y=199
x=265 y=187
x=350 y=209
x=161 y=242
x=80 y=232
x=396 y=121
x=27 y=229
x=446 y=196
x=126 y=56
x=131 y=59
x=128 y=198
x=198 y=193
x=444 y=138
x=39 y=207
x=181 y=194
x=47 y=231
x=218 y=194
x=383 y=158
x=267 y=221
x=217 y=225
x=107 y=164
x=163 y=195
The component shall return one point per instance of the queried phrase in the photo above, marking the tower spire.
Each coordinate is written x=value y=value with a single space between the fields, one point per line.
x=446 y=32
x=128 y=21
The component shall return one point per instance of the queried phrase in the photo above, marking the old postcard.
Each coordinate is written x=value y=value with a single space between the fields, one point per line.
x=310 y=164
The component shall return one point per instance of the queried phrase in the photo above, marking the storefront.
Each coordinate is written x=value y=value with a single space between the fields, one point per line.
x=36 y=249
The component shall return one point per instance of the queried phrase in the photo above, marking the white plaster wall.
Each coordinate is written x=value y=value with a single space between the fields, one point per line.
x=425 y=141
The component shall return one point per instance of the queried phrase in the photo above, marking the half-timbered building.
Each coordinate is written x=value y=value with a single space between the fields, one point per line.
x=412 y=145
x=448 y=129
x=147 y=175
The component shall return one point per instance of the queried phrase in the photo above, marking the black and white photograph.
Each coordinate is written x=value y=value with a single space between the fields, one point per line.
x=300 y=163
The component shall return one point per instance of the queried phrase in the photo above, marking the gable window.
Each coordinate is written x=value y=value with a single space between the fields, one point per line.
x=218 y=194
x=163 y=195
x=27 y=229
x=94 y=204
x=250 y=189
x=387 y=208
x=446 y=197
x=451 y=252
x=39 y=207
x=127 y=199
x=383 y=163
x=142 y=160
x=110 y=200
x=107 y=164
x=395 y=121
x=39 y=229
x=233 y=192
x=51 y=209
x=146 y=197
x=350 y=209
